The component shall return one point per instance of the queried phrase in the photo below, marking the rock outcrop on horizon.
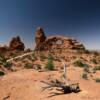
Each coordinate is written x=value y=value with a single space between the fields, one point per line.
x=56 y=42
x=39 y=38
x=16 y=44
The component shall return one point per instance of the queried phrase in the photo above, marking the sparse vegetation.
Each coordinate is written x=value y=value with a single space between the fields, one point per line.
x=28 y=66
x=96 y=68
x=2 y=73
x=94 y=71
x=79 y=63
x=13 y=55
x=84 y=76
x=3 y=62
x=50 y=57
x=2 y=59
x=97 y=80
x=50 y=64
x=7 y=65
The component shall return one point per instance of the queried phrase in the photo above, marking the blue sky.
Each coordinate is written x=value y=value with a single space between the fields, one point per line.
x=74 y=18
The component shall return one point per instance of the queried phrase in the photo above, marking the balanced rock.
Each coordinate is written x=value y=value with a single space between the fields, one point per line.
x=16 y=44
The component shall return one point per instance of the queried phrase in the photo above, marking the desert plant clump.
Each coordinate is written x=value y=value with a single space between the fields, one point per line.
x=79 y=63
x=50 y=64
x=2 y=59
x=2 y=73
x=7 y=65
x=50 y=57
x=42 y=56
x=28 y=66
x=84 y=76
x=97 y=80
x=13 y=55
x=96 y=68
x=93 y=71
x=4 y=62
x=94 y=61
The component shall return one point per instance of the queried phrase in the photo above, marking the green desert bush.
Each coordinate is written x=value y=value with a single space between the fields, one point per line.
x=97 y=80
x=96 y=68
x=93 y=71
x=28 y=66
x=7 y=65
x=13 y=55
x=3 y=62
x=50 y=64
x=2 y=73
x=2 y=59
x=79 y=63
x=50 y=57
x=84 y=76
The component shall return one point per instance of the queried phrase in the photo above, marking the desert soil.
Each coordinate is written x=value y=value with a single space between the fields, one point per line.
x=25 y=85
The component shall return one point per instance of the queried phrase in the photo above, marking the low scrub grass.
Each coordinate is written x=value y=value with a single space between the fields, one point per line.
x=2 y=73
x=28 y=66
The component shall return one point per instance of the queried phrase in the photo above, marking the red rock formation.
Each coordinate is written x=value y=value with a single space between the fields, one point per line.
x=16 y=44
x=39 y=38
x=3 y=49
x=56 y=42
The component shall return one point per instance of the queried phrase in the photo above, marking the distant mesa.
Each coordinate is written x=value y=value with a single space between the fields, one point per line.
x=55 y=42
x=16 y=44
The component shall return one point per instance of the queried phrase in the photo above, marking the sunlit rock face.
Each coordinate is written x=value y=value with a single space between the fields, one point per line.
x=56 y=42
x=16 y=44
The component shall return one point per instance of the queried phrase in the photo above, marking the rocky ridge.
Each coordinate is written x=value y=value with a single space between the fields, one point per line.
x=55 y=42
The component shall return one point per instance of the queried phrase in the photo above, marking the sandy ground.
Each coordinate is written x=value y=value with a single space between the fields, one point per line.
x=26 y=85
